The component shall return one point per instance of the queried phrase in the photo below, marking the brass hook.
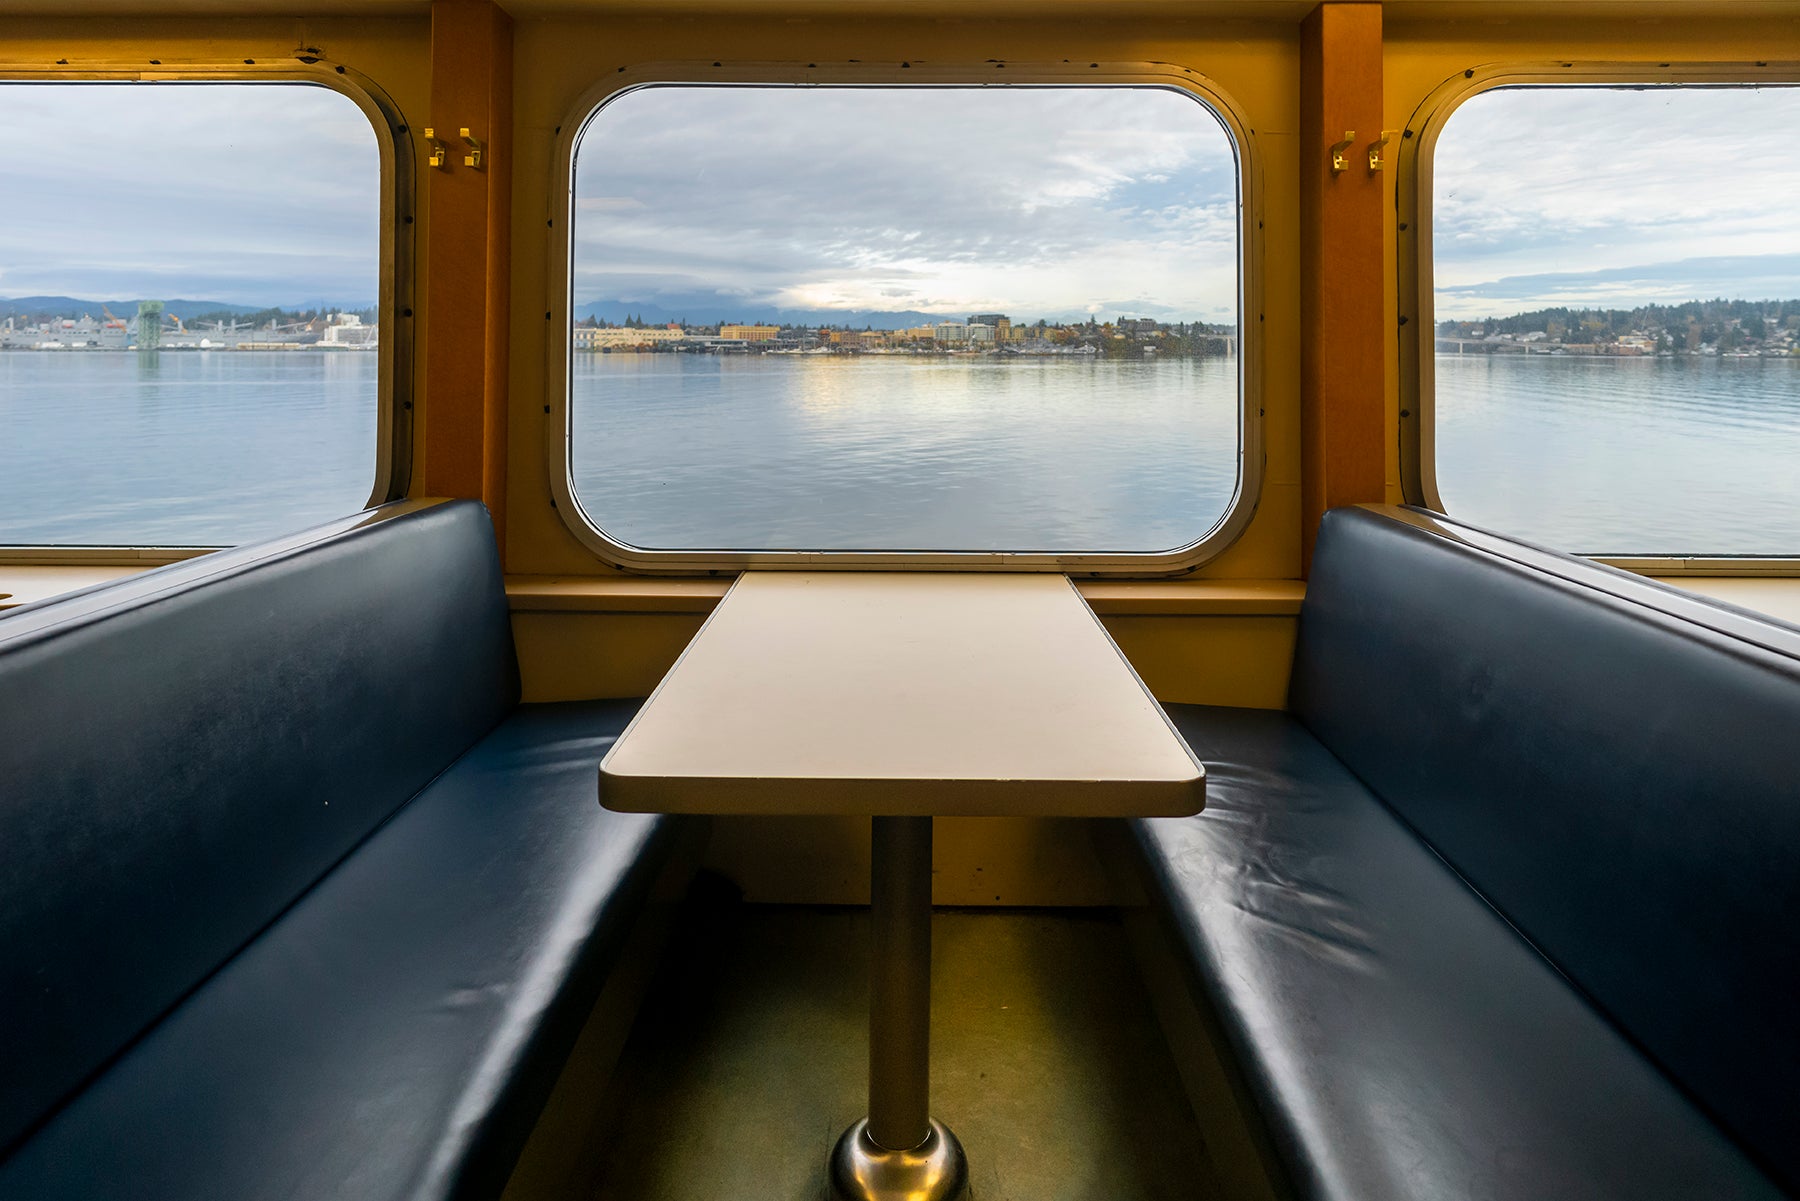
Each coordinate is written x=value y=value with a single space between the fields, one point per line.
x=473 y=158
x=1378 y=160
x=1340 y=161
x=440 y=154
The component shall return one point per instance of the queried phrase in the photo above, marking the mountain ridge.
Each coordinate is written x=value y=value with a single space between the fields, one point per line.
x=710 y=310
x=74 y=307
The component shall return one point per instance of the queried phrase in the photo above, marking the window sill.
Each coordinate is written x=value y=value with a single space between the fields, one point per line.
x=23 y=583
x=1773 y=596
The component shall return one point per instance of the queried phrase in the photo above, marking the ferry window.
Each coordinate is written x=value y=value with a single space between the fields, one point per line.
x=905 y=318
x=1617 y=292
x=189 y=279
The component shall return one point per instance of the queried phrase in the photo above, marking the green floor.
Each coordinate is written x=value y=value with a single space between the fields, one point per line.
x=749 y=1060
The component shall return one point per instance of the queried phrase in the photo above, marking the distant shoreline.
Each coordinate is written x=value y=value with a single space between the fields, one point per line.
x=1662 y=357
x=275 y=349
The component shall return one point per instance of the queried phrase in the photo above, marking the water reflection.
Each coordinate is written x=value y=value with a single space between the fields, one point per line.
x=889 y=453
x=181 y=447
x=1625 y=456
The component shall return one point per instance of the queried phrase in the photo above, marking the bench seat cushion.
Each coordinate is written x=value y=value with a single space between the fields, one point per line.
x=1396 y=1038
x=184 y=752
x=1613 y=767
x=395 y=1033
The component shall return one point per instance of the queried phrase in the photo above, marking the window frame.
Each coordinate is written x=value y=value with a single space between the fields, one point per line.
x=395 y=265
x=559 y=308
x=1416 y=280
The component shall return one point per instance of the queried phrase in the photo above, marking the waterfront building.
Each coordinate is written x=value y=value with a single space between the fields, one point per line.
x=83 y=333
x=750 y=333
x=347 y=331
x=615 y=339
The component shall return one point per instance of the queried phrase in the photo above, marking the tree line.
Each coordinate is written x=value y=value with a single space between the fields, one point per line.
x=1704 y=322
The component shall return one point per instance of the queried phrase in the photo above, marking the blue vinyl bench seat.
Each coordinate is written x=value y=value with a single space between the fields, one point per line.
x=1501 y=907
x=299 y=901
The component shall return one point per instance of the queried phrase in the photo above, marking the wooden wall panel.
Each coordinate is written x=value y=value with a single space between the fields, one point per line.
x=468 y=259
x=1343 y=360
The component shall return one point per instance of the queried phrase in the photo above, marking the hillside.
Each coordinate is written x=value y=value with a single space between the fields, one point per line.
x=45 y=307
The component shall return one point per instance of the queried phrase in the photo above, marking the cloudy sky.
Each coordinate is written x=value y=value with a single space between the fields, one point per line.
x=252 y=194
x=1027 y=201
x=1615 y=198
x=1032 y=202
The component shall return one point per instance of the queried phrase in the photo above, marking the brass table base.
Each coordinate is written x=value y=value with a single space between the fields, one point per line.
x=935 y=1170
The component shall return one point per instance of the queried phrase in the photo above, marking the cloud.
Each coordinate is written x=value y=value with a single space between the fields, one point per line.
x=1748 y=277
x=1031 y=201
x=1566 y=195
x=249 y=193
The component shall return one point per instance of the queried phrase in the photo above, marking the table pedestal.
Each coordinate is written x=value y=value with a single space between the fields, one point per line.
x=898 y=1151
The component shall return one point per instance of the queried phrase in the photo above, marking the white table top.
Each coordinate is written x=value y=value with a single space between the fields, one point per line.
x=902 y=694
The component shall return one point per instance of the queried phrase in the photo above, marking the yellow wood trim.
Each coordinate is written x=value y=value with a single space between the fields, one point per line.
x=1109 y=598
x=612 y=594
x=650 y=594
x=1265 y=598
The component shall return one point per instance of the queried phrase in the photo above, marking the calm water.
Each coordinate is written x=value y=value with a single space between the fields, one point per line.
x=877 y=452
x=191 y=448
x=1684 y=456
x=1624 y=456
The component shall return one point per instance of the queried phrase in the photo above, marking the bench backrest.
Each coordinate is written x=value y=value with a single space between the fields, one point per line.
x=182 y=753
x=1615 y=770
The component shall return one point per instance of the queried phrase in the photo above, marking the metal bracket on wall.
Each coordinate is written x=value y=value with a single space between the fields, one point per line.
x=1340 y=158
x=1378 y=149
x=440 y=153
x=474 y=157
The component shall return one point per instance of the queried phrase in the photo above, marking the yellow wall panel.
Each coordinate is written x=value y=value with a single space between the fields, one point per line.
x=589 y=656
x=1253 y=61
x=999 y=861
x=1210 y=660
x=1224 y=660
